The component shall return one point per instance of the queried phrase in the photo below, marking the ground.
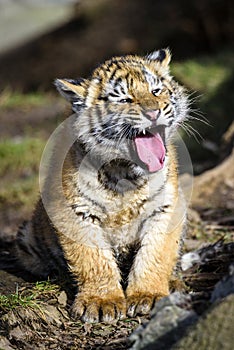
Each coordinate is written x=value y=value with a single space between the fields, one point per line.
x=38 y=318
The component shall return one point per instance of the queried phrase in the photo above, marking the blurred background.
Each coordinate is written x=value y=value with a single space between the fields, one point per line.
x=44 y=40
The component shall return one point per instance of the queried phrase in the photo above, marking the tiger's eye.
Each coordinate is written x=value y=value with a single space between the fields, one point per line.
x=156 y=92
x=126 y=100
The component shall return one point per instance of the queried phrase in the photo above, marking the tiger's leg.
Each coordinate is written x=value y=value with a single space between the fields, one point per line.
x=153 y=266
x=100 y=296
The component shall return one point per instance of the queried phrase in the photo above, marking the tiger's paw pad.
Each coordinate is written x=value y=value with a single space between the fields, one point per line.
x=95 y=309
x=141 y=303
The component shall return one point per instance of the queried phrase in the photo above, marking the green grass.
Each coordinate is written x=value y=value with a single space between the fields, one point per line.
x=28 y=297
x=45 y=288
x=201 y=76
x=19 y=193
x=11 y=301
x=17 y=299
x=206 y=73
x=210 y=80
x=20 y=154
x=19 y=163
x=13 y=99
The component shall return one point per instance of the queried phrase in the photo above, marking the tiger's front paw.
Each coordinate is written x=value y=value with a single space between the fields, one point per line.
x=91 y=309
x=140 y=303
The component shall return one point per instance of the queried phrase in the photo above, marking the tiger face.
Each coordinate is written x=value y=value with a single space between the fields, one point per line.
x=130 y=104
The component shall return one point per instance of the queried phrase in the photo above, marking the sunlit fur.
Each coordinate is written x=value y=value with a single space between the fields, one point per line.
x=112 y=105
x=124 y=244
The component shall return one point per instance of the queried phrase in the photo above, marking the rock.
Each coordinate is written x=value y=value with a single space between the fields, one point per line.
x=219 y=253
x=10 y=319
x=22 y=316
x=17 y=333
x=214 y=188
x=62 y=298
x=189 y=259
x=207 y=265
x=213 y=331
x=170 y=319
x=8 y=282
x=52 y=315
x=5 y=344
x=225 y=286
x=174 y=327
x=193 y=216
x=191 y=244
x=202 y=319
x=227 y=141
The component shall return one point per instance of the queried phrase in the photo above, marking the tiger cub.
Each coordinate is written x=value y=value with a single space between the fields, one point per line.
x=110 y=211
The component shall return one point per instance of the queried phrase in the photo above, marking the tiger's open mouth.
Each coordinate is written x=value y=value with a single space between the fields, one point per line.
x=150 y=147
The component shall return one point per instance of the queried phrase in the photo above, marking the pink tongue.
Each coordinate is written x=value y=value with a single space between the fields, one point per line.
x=151 y=151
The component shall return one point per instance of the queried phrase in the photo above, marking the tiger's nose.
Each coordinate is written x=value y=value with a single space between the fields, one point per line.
x=153 y=114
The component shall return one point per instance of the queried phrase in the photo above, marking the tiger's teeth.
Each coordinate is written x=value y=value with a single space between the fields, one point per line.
x=143 y=132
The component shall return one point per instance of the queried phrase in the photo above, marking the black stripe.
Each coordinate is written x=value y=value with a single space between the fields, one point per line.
x=117 y=67
x=28 y=249
x=98 y=113
x=23 y=247
x=170 y=122
x=166 y=106
x=122 y=90
x=127 y=80
x=116 y=94
x=94 y=202
x=158 y=191
x=160 y=210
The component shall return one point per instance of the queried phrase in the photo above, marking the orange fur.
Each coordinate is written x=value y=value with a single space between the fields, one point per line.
x=117 y=205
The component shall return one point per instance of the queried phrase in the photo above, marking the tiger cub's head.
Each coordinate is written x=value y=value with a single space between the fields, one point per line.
x=130 y=103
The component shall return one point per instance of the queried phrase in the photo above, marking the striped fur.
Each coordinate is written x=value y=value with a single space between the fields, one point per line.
x=124 y=244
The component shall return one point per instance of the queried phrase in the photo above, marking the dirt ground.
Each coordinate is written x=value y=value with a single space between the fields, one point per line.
x=48 y=325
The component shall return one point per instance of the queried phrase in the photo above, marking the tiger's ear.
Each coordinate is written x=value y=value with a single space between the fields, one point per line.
x=73 y=90
x=162 y=56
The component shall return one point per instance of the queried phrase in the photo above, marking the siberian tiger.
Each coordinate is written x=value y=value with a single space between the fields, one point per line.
x=117 y=225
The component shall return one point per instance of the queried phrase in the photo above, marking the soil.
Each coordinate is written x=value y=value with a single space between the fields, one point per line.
x=48 y=324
